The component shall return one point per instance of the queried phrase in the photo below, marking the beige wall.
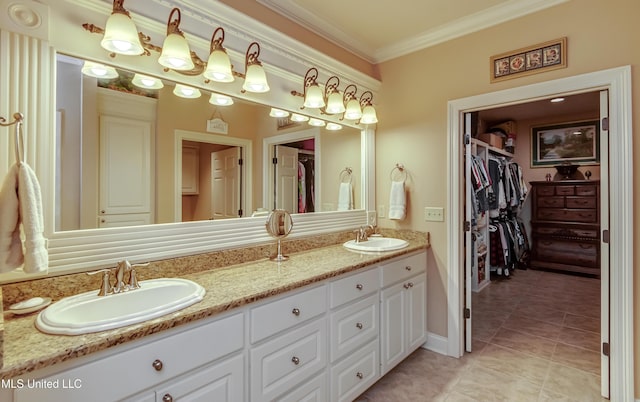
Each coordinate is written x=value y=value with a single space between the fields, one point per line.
x=413 y=110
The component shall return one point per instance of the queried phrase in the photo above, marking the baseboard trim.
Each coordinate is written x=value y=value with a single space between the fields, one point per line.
x=439 y=344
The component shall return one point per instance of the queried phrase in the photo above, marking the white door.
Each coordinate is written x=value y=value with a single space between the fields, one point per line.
x=286 y=178
x=468 y=249
x=125 y=166
x=604 y=242
x=225 y=183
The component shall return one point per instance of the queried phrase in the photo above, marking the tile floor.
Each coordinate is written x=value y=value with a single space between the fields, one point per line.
x=536 y=338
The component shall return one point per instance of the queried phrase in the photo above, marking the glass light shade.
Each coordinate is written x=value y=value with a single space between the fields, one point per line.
x=353 y=111
x=98 y=70
x=255 y=79
x=121 y=35
x=175 y=53
x=369 y=115
x=316 y=122
x=144 y=81
x=313 y=98
x=278 y=113
x=335 y=103
x=298 y=117
x=220 y=100
x=219 y=67
x=185 y=91
x=333 y=126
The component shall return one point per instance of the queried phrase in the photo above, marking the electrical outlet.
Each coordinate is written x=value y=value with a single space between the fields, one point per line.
x=434 y=214
x=381 y=211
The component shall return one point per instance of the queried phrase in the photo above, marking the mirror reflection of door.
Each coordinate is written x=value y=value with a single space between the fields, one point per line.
x=294 y=181
x=226 y=183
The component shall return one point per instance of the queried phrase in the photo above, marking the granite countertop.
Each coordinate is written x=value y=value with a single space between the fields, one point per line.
x=26 y=349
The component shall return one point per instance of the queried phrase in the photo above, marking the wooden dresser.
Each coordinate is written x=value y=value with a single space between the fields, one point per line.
x=565 y=225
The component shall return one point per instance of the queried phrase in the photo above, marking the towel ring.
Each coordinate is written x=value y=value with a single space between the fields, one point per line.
x=19 y=136
x=401 y=173
x=346 y=175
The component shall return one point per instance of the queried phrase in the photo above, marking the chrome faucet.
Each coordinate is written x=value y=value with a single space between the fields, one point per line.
x=119 y=286
x=362 y=233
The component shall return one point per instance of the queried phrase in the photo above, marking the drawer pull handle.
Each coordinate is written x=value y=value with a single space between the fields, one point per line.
x=157 y=364
x=295 y=360
x=359 y=286
x=359 y=375
x=586 y=246
x=167 y=398
x=295 y=311
x=359 y=325
x=408 y=268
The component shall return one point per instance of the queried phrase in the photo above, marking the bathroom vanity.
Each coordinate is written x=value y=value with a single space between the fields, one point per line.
x=325 y=325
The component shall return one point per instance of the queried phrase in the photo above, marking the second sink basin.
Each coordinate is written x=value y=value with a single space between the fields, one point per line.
x=377 y=244
x=88 y=312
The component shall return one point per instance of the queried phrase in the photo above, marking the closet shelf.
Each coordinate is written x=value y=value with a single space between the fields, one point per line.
x=492 y=149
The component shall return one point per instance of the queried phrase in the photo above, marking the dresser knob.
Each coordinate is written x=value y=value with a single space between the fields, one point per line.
x=410 y=284
x=406 y=286
x=359 y=286
x=167 y=398
x=295 y=311
x=157 y=364
x=359 y=375
x=359 y=325
x=295 y=360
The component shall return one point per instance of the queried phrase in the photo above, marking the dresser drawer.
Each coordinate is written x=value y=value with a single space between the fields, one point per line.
x=352 y=287
x=568 y=252
x=402 y=269
x=582 y=202
x=570 y=215
x=352 y=326
x=566 y=232
x=550 y=202
x=287 y=312
x=565 y=190
x=586 y=190
x=281 y=364
x=545 y=191
x=354 y=375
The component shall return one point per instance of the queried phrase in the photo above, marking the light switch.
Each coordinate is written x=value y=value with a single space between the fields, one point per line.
x=434 y=214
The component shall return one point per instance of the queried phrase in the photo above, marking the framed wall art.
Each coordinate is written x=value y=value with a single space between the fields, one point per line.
x=545 y=56
x=577 y=143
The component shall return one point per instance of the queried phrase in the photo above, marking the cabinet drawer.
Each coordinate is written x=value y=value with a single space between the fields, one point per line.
x=569 y=215
x=566 y=252
x=314 y=390
x=545 y=191
x=565 y=190
x=401 y=269
x=353 y=326
x=352 y=287
x=550 y=202
x=566 y=232
x=287 y=312
x=178 y=353
x=354 y=375
x=586 y=190
x=281 y=364
x=582 y=202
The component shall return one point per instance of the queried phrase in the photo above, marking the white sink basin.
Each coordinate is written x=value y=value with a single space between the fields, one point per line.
x=377 y=244
x=88 y=312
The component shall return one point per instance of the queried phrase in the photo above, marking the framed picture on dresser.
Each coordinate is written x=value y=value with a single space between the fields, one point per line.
x=577 y=143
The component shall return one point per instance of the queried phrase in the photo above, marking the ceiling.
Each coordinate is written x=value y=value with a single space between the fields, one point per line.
x=382 y=30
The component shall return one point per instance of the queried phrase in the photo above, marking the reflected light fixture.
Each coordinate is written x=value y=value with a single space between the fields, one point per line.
x=313 y=96
x=368 y=111
x=98 y=70
x=335 y=102
x=278 y=113
x=255 y=79
x=175 y=50
x=353 y=111
x=316 y=122
x=144 y=81
x=218 y=65
x=185 y=91
x=333 y=126
x=120 y=33
x=299 y=117
x=220 y=100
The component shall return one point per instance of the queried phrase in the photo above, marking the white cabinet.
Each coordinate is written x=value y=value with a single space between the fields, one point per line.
x=190 y=170
x=403 y=309
x=353 y=375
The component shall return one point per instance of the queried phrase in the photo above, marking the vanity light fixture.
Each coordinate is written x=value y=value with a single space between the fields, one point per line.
x=220 y=99
x=298 y=117
x=218 y=65
x=175 y=50
x=144 y=81
x=278 y=112
x=313 y=96
x=255 y=79
x=353 y=111
x=120 y=33
x=333 y=126
x=369 y=115
x=185 y=91
x=98 y=70
x=335 y=103
x=316 y=122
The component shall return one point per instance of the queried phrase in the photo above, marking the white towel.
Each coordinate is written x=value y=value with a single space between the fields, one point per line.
x=21 y=202
x=345 y=197
x=397 y=201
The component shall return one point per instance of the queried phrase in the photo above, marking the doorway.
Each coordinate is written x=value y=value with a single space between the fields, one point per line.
x=617 y=82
